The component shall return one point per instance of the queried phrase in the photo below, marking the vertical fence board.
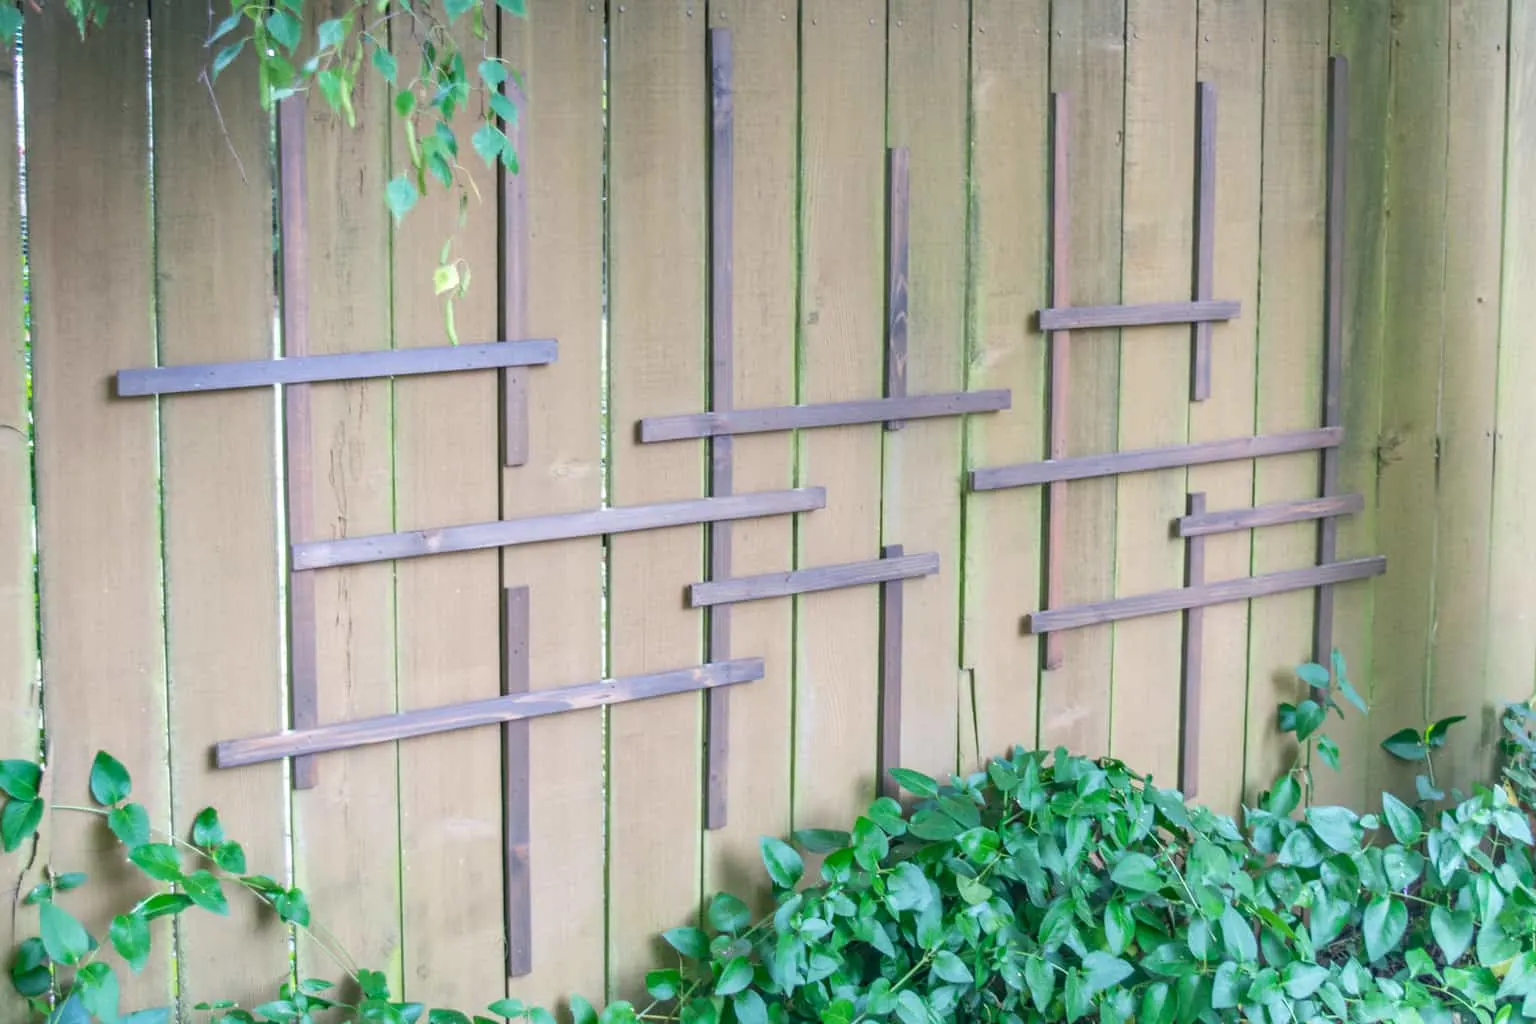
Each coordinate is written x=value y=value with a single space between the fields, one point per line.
x=1230 y=55
x=348 y=863
x=1512 y=557
x=929 y=41
x=221 y=531
x=658 y=195
x=1009 y=231
x=447 y=470
x=765 y=46
x=559 y=52
x=1414 y=318
x=1157 y=265
x=841 y=302
x=98 y=495
x=1088 y=60
x=1474 y=189
x=18 y=604
x=1290 y=355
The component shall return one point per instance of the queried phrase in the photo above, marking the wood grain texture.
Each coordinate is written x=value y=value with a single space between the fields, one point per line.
x=827 y=414
x=1087 y=59
x=806 y=581
x=1290 y=356
x=1142 y=605
x=1157 y=256
x=447 y=468
x=1229 y=520
x=515 y=245
x=97 y=481
x=516 y=767
x=559 y=526
x=898 y=261
x=840 y=357
x=1192 y=678
x=765 y=118
x=658 y=189
x=1010 y=229
x=926 y=76
x=1144 y=314
x=888 y=746
x=559 y=50
x=18 y=602
x=1205 y=233
x=223 y=644
x=1146 y=460
x=340 y=857
x=515 y=707
x=722 y=203
x=1230 y=55
x=260 y=373
x=1058 y=390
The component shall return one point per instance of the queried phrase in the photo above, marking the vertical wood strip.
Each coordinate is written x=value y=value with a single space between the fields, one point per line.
x=97 y=483
x=1058 y=393
x=293 y=200
x=558 y=49
x=517 y=678
x=891 y=630
x=222 y=556
x=898 y=203
x=722 y=199
x=1205 y=231
x=1194 y=646
x=514 y=277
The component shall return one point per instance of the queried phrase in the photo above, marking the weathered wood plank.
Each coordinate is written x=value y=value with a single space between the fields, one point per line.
x=560 y=526
x=517 y=868
x=888 y=746
x=826 y=414
x=1058 y=390
x=1205 y=232
x=514 y=707
x=1146 y=314
x=1145 y=460
x=1158 y=603
x=1191 y=680
x=1228 y=520
x=898 y=253
x=515 y=270
x=806 y=581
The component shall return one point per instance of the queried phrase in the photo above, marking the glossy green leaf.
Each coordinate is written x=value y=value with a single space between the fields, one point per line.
x=734 y=976
x=915 y=783
x=1401 y=819
x=1136 y=871
x=286 y=29
x=749 y=1007
x=207 y=831
x=907 y=888
x=1102 y=971
x=952 y=969
x=1406 y=745
x=784 y=865
x=130 y=823
x=690 y=942
x=1041 y=980
x=1384 y=923
x=204 y=889
x=157 y=860
x=64 y=938
x=96 y=984
x=1338 y=827
x=20 y=780
x=1313 y=675
x=110 y=783
x=129 y=935
x=1237 y=936
x=19 y=821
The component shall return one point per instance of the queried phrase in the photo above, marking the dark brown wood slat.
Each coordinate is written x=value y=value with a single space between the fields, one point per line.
x=1207 y=594
x=1057 y=394
x=722 y=173
x=1194 y=650
x=889 y=740
x=563 y=526
x=806 y=581
x=828 y=414
x=398 y=362
x=1230 y=520
x=1026 y=474
x=1333 y=335
x=516 y=774
x=1147 y=315
x=898 y=235
x=492 y=711
x=303 y=667
x=514 y=293
x=1205 y=233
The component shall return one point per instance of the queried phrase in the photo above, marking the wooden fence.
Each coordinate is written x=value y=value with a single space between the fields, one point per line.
x=163 y=615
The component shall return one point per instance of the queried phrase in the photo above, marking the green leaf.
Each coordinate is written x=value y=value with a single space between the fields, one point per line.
x=1299 y=850
x=1303 y=979
x=30 y=974
x=1157 y=1006
x=1401 y=819
x=839 y=1011
x=10 y=22
x=286 y=29
x=65 y=939
x=1310 y=717
x=906 y=888
x=504 y=109
x=110 y=783
x=129 y=935
x=665 y=984
x=1328 y=751
x=821 y=840
x=206 y=892
x=331 y=33
x=292 y=906
x=96 y=984
x=1041 y=980
x=165 y=903
x=1512 y=824
x=207 y=832
x=1102 y=971
x=1406 y=745
x=69 y=880
x=1337 y=827
x=158 y=1015
x=749 y=1007
x=405 y=104
x=1119 y=926
x=734 y=976
x=728 y=914
x=517 y=8
x=492 y=72
x=1347 y=688
x=447 y=1017
x=690 y=942
x=886 y=813
x=1438 y=732
x=1137 y=871
x=915 y=783
x=1313 y=675
x=1076 y=997
x=581 y=1011
x=400 y=195
x=1226 y=987
x=130 y=823
x=1385 y=921
x=158 y=861
x=1284 y=796
x=910 y=1008
x=1237 y=936
x=456 y=9
x=19 y=821
x=952 y=969
x=229 y=856
x=20 y=779
x=784 y=865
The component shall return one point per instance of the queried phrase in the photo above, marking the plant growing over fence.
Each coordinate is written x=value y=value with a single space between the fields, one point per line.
x=1047 y=887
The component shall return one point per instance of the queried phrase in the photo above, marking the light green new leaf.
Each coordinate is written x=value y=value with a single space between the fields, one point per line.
x=400 y=195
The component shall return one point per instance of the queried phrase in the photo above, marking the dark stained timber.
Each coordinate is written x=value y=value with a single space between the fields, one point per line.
x=1157 y=603
x=167 y=380
x=492 y=711
x=1205 y=233
x=889 y=740
x=1194 y=649
x=516 y=775
x=828 y=414
x=1076 y=318
x=563 y=526
x=898 y=235
x=805 y=581
x=1057 y=395
x=1026 y=474
x=1229 y=520
x=1333 y=335
x=514 y=296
